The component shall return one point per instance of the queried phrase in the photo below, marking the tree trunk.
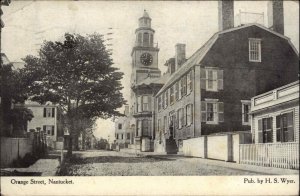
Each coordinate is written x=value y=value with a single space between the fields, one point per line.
x=70 y=147
x=69 y=153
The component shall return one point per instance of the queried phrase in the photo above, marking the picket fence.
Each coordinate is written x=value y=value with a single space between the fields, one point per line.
x=281 y=155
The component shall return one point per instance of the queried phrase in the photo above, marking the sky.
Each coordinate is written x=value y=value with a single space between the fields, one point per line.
x=28 y=23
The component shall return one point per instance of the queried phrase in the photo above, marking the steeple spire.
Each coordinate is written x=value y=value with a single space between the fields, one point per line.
x=146 y=15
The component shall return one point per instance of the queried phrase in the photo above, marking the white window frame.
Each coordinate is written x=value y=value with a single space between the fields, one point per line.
x=165 y=120
x=159 y=106
x=252 y=56
x=145 y=103
x=172 y=94
x=214 y=80
x=189 y=114
x=139 y=104
x=246 y=102
x=215 y=113
x=189 y=82
x=180 y=119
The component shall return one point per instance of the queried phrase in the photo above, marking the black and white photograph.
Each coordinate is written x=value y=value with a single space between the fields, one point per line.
x=162 y=94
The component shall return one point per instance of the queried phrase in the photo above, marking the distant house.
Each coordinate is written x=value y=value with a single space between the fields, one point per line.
x=47 y=118
x=124 y=132
x=211 y=91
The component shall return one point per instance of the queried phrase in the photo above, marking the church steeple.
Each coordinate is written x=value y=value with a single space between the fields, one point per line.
x=145 y=20
x=144 y=54
x=144 y=33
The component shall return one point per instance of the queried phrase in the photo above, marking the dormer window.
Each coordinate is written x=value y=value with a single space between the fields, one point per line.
x=254 y=50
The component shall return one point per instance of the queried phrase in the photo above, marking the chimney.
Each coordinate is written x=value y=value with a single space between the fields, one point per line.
x=226 y=14
x=275 y=16
x=179 y=55
x=126 y=111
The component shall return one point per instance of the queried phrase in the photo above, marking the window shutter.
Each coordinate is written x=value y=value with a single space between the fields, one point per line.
x=180 y=92
x=203 y=111
x=192 y=113
x=220 y=79
x=260 y=136
x=44 y=112
x=221 y=111
x=139 y=104
x=203 y=78
x=183 y=116
x=149 y=103
x=290 y=127
x=52 y=130
x=177 y=90
x=53 y=112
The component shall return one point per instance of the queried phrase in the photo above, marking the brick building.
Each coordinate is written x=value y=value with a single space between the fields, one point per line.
x=211 y=91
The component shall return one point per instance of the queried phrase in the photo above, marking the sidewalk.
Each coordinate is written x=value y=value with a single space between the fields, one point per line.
x=231 y=165
x=47 y=166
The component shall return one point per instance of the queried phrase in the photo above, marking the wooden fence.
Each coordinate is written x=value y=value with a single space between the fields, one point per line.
x=281 y=155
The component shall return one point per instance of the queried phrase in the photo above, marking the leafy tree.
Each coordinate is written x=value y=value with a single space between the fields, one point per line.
x=78 y=75
x=12 y=91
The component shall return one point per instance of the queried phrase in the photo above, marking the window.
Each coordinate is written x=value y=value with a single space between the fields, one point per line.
x=165 y=124
x=49 y=112
x=212 y=112
x=189 y=114
x=285 y=127
x=180 y=114
x=159 y=103
x=172 y=95
x=139 y=104
x=145 y=127
x=145 y=102
x=172 y=123
x=139 y=38
x=189 y=82
x=122 y=136
x=163 y=100
x=138 y=127
x=211 y=79
x=246 y=105
x=128 y=136
x=159 y=127
x=151 y=39
x=265 y=130
x=117 y=136
x=182 y=87
x=146 y=39
x=119 y=126
x=177 y=90
x=166 y=99
x=48 y=129
x=254 y=50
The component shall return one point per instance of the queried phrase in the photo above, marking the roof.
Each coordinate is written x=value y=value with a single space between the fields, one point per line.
x=4 y=59
x=18 y=65
x=197 y=57
x=151 y=80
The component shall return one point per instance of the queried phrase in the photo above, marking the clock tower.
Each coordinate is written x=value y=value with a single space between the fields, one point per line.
x=145 y=83
x=144 y=53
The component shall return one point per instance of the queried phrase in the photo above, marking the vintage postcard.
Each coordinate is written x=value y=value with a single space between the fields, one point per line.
x=149 y=97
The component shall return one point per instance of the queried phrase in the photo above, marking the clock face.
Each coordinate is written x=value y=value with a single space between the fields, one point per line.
x=146 y=59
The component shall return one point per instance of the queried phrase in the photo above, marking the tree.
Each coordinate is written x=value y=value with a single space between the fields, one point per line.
x=12 y=91
x=78 y=75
